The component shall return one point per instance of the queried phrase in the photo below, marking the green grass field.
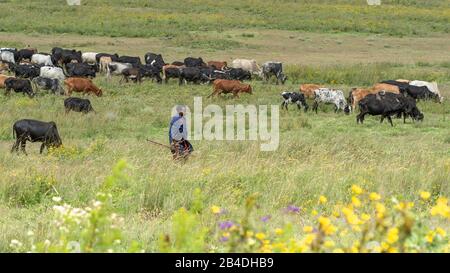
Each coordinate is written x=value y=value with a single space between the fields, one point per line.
x=319 y=154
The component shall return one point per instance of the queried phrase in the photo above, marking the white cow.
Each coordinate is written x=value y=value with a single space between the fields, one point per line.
x=116 y=68
x=89 y=57
x=432 y=86
x=7 y=56
x=42 y=59
x=330 y=96
x=52 y=73
x=247 y=65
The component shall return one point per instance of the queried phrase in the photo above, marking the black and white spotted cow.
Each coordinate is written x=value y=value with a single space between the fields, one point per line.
x=330 y=96
x=294 y=97
x=273 y=68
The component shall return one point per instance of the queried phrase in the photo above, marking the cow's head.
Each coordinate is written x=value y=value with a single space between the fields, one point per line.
x=248 y=89
x=53 y=139
x=283 y=78
x=99 y=92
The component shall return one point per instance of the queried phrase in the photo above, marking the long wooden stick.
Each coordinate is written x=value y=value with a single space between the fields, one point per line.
x=157 y=143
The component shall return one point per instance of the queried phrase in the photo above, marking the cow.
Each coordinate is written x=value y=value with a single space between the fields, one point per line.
x=400 y=84
x=135 y=61
x=103 y=64
x=218 y=65
x=133 y=73
x=386 y=87
x=294 y=97
x=25 y=71
x=150 y=71
x=192 y=74
x=155 y=60
x=171 y=71
x=89 y=57
x=177 y=63
x=357 y=94
x=7 y=56
x=308 y=89
x=80 y=70
x=273 y=68
x=35 y=131
x=238 y=74
x=230 y=86
x=113 y=57
x=53 y=85
x=421 y=93
x=432 y=86
x=194 y=62
x=19 y=86
x=387 y=104
x=64 y=56
x=42 y=59
x=78 y=105
x=52 y=73
x=330 y=96
x=248 y=65
x=116 y=68
x=25 y=54
x=82 y=85
x=2 y=80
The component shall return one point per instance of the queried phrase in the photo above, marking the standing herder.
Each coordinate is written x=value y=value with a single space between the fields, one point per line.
x=180 y=146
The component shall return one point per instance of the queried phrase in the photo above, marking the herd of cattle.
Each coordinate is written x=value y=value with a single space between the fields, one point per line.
x=64 y=71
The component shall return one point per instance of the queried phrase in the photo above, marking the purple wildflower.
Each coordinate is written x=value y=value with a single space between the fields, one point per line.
x=226 y=225
x=224 y=239
x=292 y=209
x=266 y=218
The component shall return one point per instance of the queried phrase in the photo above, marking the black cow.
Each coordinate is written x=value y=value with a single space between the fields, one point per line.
x=135 y=61
x=387 y=104
x=155 y=60
x=294 y=97
x=194 y=62
x=24 y=54
x=171 y=72
x=151 y=71
x=78 y=105
x=27 y=71
x=192 y=74
x=239 y=74
x=113 y=57
x=419 y=92
x=273 y=68
x=64 y=56
x=80 y=70
x=53 y=85
x=35 y=131
x=19 y=85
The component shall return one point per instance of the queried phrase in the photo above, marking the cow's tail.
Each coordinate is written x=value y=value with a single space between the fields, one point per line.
x=14 y=132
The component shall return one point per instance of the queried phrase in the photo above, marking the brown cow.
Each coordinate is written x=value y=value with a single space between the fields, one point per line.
x=2 y=80
x=230 y=86
x=167 y=66
x=386 y=87
x=218 y=65
x=308 y=89
x=3 y=67
x=81 y=85
x=403 y=80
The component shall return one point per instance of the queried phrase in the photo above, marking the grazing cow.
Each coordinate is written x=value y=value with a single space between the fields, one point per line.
x=155 y=60
x=64 y=56
x=171 y=71
x=25 y=54
x=103 y=64
x=432 y=86
x=35 y=131
x=239 y=74
x=53 y=85
x=192 y=74
x=230 y=86
x=386 y=87
x=52 y=73
x=113 y=57
x=388 y=104
x=2 y=80
x=194 y=62
x=330 y=96
x=273 y=68
x=135 y=61
x=218 y=65
x=420 y=93
x=308 y=89
x=80 y=70
x=116 y=68
x=89 y=57
x=42 y=59
x=78 y=105
x=177 y=63
x=248 y=65
x=25 y=71
x=7 y=56
x=82 y=85
x=294 y=97
x=150 y=71
x=133 y=73
x=19 y=86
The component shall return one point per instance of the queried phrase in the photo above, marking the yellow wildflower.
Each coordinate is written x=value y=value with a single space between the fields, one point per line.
x=323 y=199
x=260 y=236
x=279 y=231
x=441 y=208
x=441 y=232
x=373 y=196
x=215 y=209
x=356 y=189
x=430 y=237
x=308 y=229
x=314 y=212
x=328 y=244
x=338 y=250
x=380 y=209
x=356 y=202
x=392 y=235
x=425 y=195
x=365 y=217
x=326 y=226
